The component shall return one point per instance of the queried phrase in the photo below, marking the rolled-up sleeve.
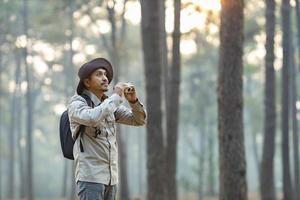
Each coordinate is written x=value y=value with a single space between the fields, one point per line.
x=135 y=116
x=81 y=113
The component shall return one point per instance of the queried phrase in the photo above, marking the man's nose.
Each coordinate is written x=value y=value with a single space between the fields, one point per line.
x=105 y=78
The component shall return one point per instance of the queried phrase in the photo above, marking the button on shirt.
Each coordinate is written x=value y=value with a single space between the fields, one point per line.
x=98 y=162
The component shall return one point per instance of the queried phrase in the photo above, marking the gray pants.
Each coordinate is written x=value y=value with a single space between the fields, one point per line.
x=96 y=191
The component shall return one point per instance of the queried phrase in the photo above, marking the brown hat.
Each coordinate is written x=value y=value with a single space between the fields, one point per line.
x=89 y=67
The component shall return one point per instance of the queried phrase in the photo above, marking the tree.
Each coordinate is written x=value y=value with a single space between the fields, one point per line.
x=115 y=56
x=12 y=130
x=293 y=90
x=296 y=148
x=286 y=47
x=1 y=117
x=297 y=7
x=151 y=39
x=232 y=162
x=29 y=105
x=173 y=107
x=267 y=188
x=69 y=74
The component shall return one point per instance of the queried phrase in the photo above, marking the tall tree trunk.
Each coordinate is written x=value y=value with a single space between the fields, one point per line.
x=69 y=178
x=255 y=153
x=1 y=124
x=21 y=150
x=202 y=155
x=173 y=108
x=140 y=166
x=151 y=39
x=165 y=72
x=116 y=60
x=232 y=162
x=296 y=140
x=286 y=45
x=124 y=193
x=12 y=129
x=267 y=188
x=211 y=164
x=293 y=90
x=297 y=7
x=164 y=88
x=29 y=105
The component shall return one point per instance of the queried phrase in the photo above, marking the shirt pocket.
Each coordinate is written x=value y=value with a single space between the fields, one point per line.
x=90 y=131
x=110 y=124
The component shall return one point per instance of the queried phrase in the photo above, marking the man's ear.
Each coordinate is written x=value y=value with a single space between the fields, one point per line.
x=86 y=83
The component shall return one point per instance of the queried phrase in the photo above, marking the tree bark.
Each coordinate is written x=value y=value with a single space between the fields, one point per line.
x=173 y=108
x=164 y=74
x=267 y=187
x=232 y=161
x=296 y=140
x=29 y=99
x=297 y=7
x=151 y=39
x=69 y=74
x=12 y=130
x=1 y=123
x=286 y=47
x=21 y=150
x=202 y=155
x=116 y=60
x=293 y=90
x=211 y=164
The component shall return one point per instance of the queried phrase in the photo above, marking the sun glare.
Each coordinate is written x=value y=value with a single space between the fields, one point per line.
x=210 y=4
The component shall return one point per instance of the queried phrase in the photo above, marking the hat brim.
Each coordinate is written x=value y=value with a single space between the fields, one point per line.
x=80 y=88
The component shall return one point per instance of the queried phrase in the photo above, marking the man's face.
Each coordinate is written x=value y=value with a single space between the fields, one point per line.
x=97 y=81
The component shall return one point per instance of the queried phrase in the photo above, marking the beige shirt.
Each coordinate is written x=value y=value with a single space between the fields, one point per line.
x=99 y=161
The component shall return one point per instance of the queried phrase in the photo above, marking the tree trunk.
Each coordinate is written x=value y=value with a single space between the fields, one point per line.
x=73 y=184
x=255 y=153
x=12 y=130
x=211 y=164
x=151 y=39
x=124 y=193
x=21 y=150
x=286 y=45
x=164 y=74
x=29 y=105
x=116 y=60
x=1 y=123
x=202 y=156
x=293 y=90
x=232 y=161
x=297 y=7
x=173 y=108
x=296 y=140
x=69 y=74
x=267 y=187
x=140 y=166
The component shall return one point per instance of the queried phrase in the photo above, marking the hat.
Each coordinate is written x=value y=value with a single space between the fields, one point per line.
x=89 y=67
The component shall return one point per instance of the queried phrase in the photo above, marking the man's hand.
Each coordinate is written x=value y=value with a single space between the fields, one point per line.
x=130 y=93
x=119 y=88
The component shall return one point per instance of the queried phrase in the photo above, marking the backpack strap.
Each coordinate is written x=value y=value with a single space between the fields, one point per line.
x=82 y=127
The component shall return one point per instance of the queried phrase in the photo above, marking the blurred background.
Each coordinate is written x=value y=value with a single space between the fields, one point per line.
x=44 y=42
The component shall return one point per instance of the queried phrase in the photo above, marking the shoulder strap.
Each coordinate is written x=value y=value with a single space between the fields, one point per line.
x=88 y=100
x=82 y=127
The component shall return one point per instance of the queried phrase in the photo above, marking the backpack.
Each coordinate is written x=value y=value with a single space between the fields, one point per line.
x=66 y=139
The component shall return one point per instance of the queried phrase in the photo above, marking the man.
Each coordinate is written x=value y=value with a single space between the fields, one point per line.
x=95 y=151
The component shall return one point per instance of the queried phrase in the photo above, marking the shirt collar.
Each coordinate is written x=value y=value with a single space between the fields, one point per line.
x=93 y=97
